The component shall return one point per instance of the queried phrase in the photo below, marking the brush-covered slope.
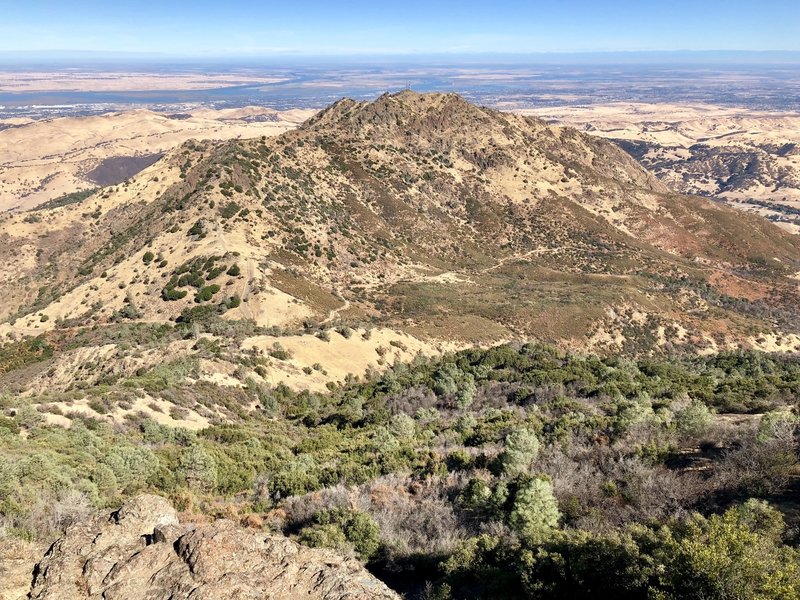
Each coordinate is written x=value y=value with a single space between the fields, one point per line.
x=436 y=221
x=747 y=158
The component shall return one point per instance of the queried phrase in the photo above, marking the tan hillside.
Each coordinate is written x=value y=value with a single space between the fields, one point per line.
x=44 y=160
x=750 y=159
x=376 y=231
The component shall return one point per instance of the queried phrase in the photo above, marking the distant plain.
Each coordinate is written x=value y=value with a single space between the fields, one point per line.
x=38 y=91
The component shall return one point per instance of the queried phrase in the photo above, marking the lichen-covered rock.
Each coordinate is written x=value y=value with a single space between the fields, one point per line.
x=17 y=558
x=142 y=552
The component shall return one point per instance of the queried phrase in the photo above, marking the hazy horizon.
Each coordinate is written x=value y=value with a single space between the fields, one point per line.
x=632 y=57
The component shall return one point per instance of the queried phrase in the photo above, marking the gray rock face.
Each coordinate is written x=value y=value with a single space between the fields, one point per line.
x=142 y=552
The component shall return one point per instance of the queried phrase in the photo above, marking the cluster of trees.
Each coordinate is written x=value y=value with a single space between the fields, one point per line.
x=738 y=554
x=508 y=472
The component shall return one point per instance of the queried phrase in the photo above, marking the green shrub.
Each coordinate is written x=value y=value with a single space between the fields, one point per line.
x=229 y=210
x=197 y=229
x=8 y=479
x=343 y=529
x=279 y=353
x=132 y=466
x=725 y=557
x=8 y=425
x=27 y=416
x=521 y=449
x=206 y=293
x=295 y=477
x=535 y=510
x=693 y=420
x=169 y=293
x=198 y=468
x=215 y=272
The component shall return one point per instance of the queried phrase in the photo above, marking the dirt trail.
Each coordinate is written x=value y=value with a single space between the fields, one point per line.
x=244 y=307
x=249 y=275
x=503 y=261
x=220 y=237
x=335 y=312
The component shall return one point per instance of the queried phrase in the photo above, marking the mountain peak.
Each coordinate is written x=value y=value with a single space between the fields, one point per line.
x=421 y=213
x=407 y=110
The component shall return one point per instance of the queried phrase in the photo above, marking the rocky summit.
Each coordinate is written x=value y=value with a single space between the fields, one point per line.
x=144 y=552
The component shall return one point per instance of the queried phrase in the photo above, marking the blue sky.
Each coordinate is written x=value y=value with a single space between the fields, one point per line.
x=236 y=27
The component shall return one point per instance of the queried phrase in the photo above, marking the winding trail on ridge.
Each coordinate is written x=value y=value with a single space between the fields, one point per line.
x=335 y=312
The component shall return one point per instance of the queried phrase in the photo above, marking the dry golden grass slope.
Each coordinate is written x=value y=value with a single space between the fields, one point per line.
x=748 y=158
x=376 y=231
x=42 y=160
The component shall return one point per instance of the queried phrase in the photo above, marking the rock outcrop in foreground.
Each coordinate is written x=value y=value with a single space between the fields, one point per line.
x=143 y=552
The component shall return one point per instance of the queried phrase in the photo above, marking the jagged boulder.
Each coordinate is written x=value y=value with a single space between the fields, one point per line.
x=143 y=552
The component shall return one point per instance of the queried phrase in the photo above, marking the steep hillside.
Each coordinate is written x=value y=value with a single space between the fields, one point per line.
x=750 y=159
x=414 y=223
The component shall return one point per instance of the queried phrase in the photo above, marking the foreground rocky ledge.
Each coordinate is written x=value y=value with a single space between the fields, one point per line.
x=143 y=552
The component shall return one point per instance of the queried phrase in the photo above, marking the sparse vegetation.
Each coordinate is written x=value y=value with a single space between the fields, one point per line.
x=66 y=199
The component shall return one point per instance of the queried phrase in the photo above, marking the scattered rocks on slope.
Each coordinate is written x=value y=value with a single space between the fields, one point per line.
x=143 y=552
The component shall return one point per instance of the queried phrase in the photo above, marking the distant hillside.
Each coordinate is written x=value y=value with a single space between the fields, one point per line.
x=748 y=158
x=42 y=161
